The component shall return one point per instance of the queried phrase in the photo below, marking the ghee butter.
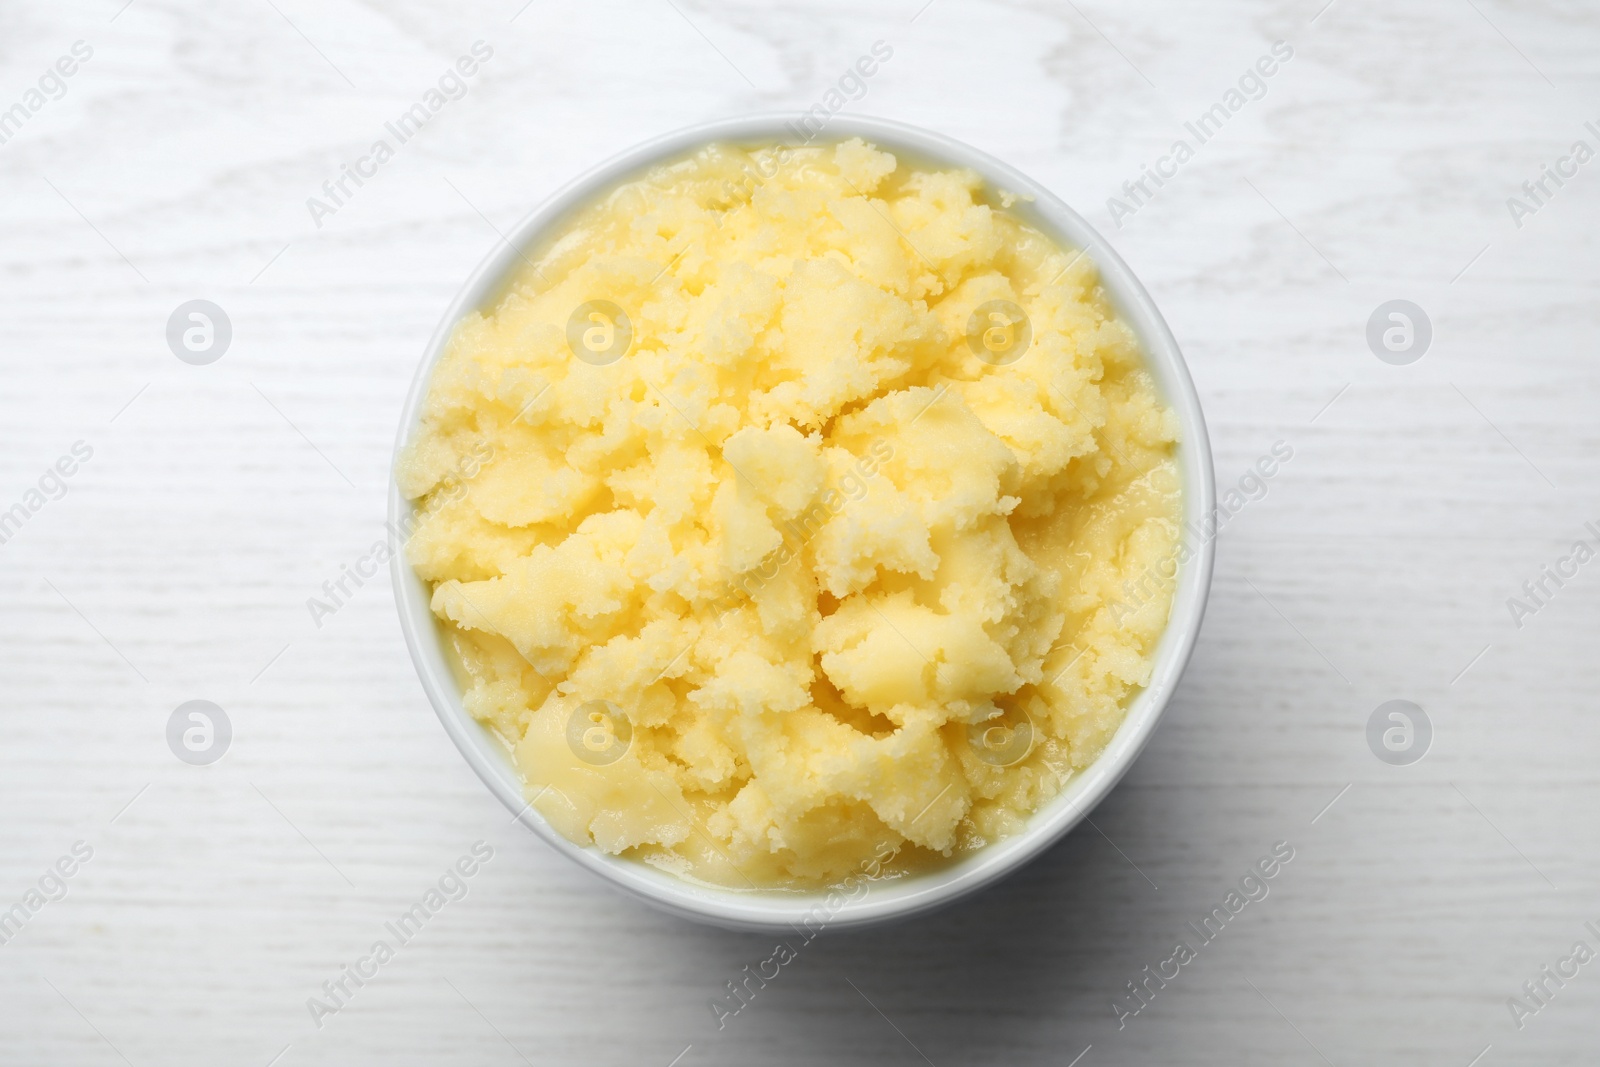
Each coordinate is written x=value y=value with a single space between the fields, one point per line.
x=822 y=500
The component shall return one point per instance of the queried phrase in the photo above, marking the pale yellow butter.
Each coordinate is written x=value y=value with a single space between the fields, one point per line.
x=794 y=579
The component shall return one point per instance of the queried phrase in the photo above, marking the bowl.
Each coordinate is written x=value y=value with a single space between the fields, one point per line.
x=869 y=902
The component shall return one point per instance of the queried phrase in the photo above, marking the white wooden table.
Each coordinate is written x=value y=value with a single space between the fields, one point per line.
x=176 y=166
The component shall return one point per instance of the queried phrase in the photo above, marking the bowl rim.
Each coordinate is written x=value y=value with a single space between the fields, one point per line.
x=878 y=901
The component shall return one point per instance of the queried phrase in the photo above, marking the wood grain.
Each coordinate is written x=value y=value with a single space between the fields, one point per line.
x=1376 y=166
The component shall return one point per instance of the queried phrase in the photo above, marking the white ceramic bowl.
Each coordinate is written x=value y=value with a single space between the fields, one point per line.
x=777 y=909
